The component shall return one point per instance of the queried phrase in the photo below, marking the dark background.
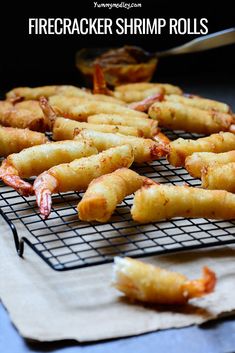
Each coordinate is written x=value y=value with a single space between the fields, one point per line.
x=38 y=60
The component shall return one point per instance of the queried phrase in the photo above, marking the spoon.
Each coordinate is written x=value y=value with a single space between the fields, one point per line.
x=210 y=41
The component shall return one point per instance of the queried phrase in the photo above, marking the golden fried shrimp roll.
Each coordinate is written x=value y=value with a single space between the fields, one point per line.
x=145 y=150
x=35 y=93
x=147 y=283
x=181 y=148
x=34 y=160
x=148 y=127
x=14 y=140
x=132 y=97
x=77 y=175
x=201 y=160
x=157 y=202
x=134 y=92
x=23 y=115
x=63 y=129
x=104 y=98
x=74 y=108
x=106 y=192
x=143 y=106
x=199 y=102
x=219 y=177
x=178 y=116
x=143 y=86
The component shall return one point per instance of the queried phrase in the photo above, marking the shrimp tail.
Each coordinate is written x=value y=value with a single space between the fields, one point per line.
x=43 y=187
x=163 y=141
x=143 y=106
x=99 y=83
x=163 y=147
x=10 y=176
x=200 y=287
x=45 y=203
x=48 y=111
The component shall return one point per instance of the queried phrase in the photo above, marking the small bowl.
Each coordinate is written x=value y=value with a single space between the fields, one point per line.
x=116 y=73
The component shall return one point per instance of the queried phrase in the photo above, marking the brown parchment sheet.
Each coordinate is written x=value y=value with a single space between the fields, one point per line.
x=81 y=304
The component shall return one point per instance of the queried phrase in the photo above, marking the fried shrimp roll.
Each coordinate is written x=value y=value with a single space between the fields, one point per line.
x=35 y=93
x=106 y=192
x=23 y=115
x=145 y=150
x=77 y=109
x=199 y=102
x=147 y=283
x=143 y=106
x=202 y=160
x=148 y=127
x=63 y=129
x=217 y=143
x=157 y=202
x=219 y=177
x=178 y=116
x=77 y=175
x=14 y=140
x=34 y=160
x=134 y=92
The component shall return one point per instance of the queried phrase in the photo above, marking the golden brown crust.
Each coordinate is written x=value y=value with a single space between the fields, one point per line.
x=181 y=148
x=14 y=140
x=178 y=116
x=106 y=192
x=201 y=160
x=77 y=109
x=199 y=102
x=26 y=114
x=138 y=91
x=219 y=177
x=157 y=202
x=145 y=150
x=63 y=129
x=147 y=283
x=148 y=127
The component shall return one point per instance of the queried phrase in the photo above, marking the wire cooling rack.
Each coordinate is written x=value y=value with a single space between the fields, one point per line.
x=64 y=242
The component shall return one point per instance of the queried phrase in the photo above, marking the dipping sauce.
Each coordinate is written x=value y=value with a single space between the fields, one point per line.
x=120 y=65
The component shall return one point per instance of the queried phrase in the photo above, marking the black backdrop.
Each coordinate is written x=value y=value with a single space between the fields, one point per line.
x=37 y=60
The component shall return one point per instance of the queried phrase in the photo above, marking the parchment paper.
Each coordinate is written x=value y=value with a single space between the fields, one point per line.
x=46 y=305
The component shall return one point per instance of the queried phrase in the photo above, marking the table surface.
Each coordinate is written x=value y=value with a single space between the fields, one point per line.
x=213 y=337
x=217 y=336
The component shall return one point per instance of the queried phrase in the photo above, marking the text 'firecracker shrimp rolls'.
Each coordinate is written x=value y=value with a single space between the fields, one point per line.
x=201 y=160
x=157 y=202
x=181 y=148
x=23 y=115
x=147 y=283
x=14 y=140
x=178 y=116
x=34 y=160
x=199 y=102
x=219 y=177
x=63 y=129
x=77 y=175
x=106 y=192
x=145 y=150
x=75 y=109
x=148 y=127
